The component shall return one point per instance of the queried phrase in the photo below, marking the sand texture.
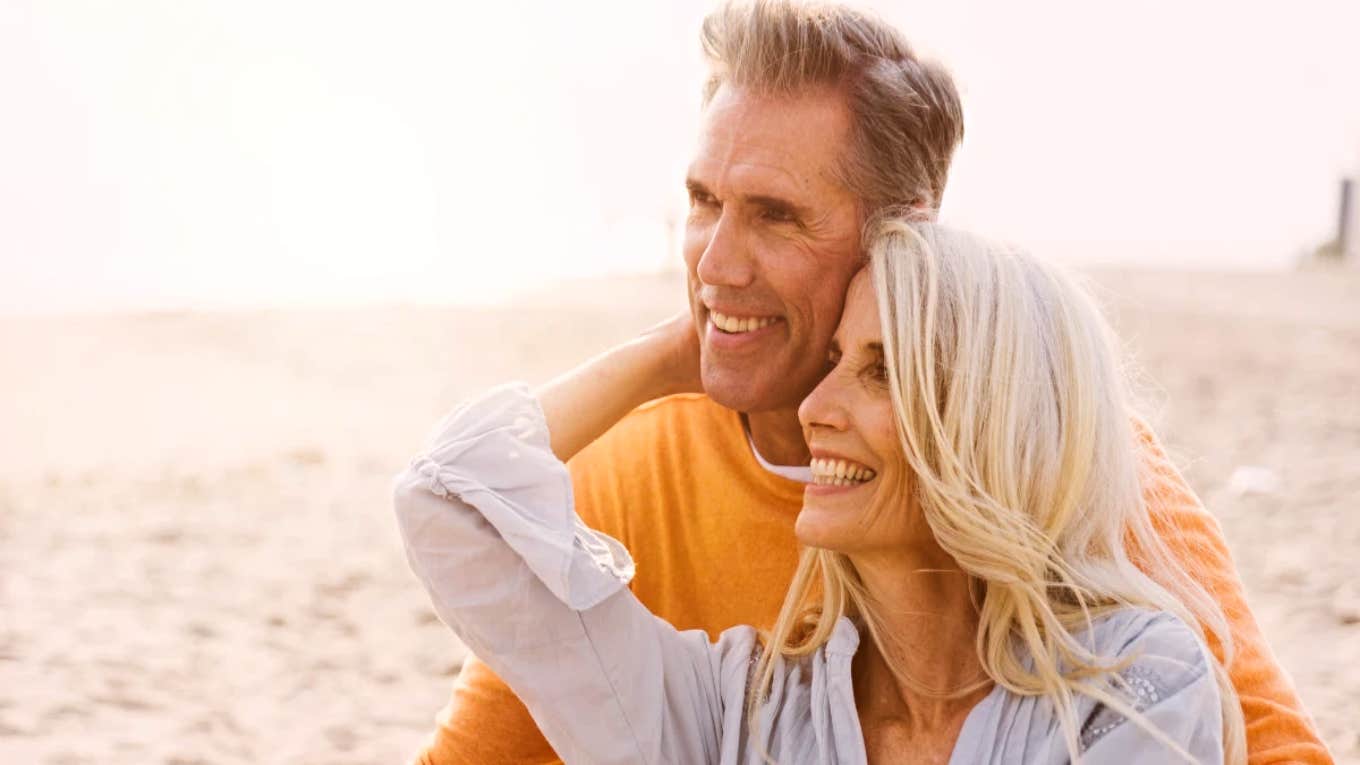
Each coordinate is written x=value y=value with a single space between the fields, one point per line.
x=198 y=562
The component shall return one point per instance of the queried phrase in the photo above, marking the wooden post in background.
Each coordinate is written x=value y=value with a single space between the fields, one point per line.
x=1347 y=237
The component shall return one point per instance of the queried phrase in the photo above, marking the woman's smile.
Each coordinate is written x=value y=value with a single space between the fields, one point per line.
x=834 y=474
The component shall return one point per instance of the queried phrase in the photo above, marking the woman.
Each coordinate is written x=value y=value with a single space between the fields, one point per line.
x=966 y=585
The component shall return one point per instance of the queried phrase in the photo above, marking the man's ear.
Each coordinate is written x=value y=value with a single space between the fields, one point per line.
x=920 y=210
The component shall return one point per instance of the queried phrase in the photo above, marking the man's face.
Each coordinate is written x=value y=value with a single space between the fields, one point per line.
x=771 y=243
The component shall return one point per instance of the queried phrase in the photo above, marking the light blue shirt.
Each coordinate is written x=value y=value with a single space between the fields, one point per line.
x=490 y=528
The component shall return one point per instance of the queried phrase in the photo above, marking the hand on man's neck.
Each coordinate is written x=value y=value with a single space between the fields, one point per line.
x=778 y=436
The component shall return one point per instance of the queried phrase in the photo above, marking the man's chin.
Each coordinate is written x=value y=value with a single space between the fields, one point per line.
x=745 y=391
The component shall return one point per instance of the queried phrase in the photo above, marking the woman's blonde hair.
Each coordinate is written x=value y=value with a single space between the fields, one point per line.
x=1015 y=419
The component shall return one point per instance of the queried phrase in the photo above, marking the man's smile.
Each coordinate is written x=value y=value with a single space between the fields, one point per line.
x=735 y=325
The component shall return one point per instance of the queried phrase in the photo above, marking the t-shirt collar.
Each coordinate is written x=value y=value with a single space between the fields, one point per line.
x=799 y=473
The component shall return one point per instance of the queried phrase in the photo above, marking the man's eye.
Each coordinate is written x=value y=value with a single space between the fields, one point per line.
x=701 y=199
x=778 y=216
x=877 y=372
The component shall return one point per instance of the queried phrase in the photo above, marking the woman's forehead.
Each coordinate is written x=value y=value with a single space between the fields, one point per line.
x=859 y=320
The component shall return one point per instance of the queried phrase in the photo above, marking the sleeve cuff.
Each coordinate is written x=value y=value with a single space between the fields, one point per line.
x=494 y=454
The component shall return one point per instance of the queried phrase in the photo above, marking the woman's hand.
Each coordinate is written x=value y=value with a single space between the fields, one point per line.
x=675 y=342
x=586 y=401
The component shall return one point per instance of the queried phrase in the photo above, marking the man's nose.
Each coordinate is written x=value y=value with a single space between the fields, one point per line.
x=726 y=261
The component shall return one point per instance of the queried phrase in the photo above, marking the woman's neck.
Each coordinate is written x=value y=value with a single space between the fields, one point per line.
x=929 y=626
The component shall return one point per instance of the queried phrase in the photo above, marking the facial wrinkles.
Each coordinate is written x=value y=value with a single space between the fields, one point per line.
x=890 y=503
x=803 y=253
x=747 y=155
x=744 y=164
x=763 y=265
x=738 y=193
x=829 y=229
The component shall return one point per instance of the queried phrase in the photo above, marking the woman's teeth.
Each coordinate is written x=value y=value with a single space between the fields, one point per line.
x=827 y=472
x=735 y=325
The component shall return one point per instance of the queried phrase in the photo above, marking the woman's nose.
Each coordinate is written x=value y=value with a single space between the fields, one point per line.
x=825 y=405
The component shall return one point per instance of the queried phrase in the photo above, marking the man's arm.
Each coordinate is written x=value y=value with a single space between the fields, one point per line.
x=1278 y=728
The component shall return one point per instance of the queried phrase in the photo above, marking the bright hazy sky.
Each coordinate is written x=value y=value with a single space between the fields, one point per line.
x=211 y=154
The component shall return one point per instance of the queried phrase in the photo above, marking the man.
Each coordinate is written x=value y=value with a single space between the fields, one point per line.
x=814 y=119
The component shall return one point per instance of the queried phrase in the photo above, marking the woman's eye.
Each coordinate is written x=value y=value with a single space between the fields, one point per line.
x=877 y=372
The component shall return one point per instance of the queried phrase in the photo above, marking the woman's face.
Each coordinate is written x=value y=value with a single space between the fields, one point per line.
x=861 y=497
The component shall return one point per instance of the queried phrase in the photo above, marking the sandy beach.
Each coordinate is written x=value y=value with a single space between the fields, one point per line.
x=198 y=561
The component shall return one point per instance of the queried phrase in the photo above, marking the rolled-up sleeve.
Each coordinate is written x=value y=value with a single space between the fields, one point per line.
x=489 y=526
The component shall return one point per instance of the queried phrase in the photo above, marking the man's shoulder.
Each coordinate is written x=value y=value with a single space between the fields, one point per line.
x=661 y=431
x=687 y=414
x=685 y=406
x=659 y=455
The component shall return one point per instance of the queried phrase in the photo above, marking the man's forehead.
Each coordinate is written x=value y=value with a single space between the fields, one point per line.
x=789 y=141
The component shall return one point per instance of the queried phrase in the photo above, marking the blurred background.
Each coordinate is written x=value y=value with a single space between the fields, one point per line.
x=250 y=252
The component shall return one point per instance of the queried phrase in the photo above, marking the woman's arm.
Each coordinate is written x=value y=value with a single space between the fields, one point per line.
x=1190 y=718
x=489 y=526
x=583 y=403
x=1174 y=689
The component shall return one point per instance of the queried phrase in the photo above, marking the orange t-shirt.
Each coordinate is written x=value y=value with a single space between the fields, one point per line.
x=711 y=532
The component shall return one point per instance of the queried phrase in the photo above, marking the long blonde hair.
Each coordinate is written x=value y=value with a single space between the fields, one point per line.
x=1014 y=417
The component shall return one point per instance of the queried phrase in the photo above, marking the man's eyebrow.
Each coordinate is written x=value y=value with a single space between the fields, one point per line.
x=778 y=203
x=875 y=348
x=695 y=187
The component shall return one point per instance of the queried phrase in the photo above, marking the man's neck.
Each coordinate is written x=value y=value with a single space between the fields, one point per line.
x=778 y=436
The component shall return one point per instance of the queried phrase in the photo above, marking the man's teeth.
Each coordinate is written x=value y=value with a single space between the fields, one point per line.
x=735 y=324
x=839 y=473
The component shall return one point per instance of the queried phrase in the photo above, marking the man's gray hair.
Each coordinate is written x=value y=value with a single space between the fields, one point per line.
x=905 y=112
